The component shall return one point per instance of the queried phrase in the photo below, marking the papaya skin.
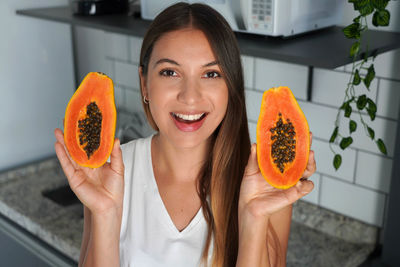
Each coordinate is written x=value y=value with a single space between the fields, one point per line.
x=277 y=101
x=98 y=88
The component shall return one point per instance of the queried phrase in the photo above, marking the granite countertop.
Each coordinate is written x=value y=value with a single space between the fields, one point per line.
x=318 y=237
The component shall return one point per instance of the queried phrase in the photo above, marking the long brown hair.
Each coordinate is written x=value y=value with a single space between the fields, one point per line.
x=221 y=175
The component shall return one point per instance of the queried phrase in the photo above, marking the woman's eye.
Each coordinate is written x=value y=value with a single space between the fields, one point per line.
x=212 y=74
x=168 y=73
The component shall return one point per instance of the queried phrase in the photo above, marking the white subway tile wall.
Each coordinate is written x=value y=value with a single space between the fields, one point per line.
x=253 y=104
x=119 y=95
x=116 y=46
x=360 y=187
x=352 y=200
x=387 y=65
x=374 y=171
x=324 y=159
x=248 y=71
x=127 y=74
x=271 y=73
x=133 y=102
x=313 y=197
x=334 y=85
x=388 y=98
x=252 y=132
x=135 y=43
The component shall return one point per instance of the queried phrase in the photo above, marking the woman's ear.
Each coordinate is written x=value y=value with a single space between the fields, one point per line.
x=142 y=78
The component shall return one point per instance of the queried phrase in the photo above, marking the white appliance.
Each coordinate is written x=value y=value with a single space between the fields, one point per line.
x=265 y=17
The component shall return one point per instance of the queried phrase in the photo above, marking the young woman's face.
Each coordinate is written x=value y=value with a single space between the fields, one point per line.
x=188 y=95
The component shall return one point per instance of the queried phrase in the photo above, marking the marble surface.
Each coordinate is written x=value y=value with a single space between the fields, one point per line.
x=318 y=237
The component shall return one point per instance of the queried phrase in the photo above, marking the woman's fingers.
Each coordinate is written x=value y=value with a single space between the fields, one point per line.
x=304 y=187
x=311 y=165
x=117 y=164
x=60 y=138
x=252 y=164
x=65 y=161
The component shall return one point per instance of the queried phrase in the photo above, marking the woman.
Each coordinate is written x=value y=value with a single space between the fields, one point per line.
x=192 y=193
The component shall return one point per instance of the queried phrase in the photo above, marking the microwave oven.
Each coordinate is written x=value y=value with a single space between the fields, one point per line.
x=265 y=17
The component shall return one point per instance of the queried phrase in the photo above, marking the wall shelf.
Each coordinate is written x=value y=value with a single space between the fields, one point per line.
x=326 y=48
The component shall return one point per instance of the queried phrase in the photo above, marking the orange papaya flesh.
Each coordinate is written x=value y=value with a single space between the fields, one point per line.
x=90 y=121
x=283 y=138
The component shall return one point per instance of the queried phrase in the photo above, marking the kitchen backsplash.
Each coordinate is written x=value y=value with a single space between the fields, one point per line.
x=361 y=186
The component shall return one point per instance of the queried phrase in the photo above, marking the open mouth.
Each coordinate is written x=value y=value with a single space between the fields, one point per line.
x=188 y=123
x=189 y=118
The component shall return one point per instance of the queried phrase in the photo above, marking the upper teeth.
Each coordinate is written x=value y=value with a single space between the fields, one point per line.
x=189 y=117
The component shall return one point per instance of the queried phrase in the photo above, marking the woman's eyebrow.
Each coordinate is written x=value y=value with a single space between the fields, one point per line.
x=212 y=63
x=167 y=60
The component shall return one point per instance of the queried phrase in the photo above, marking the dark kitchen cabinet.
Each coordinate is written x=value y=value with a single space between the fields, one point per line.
x=20 y=248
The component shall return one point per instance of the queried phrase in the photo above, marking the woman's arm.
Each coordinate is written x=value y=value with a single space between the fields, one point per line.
x=103 y=244
x=263 y=241
x=86 y=235
x=101 y=192
x=264 y=215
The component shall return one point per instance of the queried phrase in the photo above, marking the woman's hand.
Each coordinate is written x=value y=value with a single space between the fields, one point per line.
x=259 y=199
x=101 y=189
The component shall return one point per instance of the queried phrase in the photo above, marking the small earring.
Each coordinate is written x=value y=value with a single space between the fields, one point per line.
x=145 y=100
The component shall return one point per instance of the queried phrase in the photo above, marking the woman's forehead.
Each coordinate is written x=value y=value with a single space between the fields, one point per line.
x=183 y=46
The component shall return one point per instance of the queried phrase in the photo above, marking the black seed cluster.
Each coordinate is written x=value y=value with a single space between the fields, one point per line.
x=90 y=129
x=283 y=137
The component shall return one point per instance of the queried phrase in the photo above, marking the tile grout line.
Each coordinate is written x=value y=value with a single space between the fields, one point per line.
x=128 y=49
x=319 y=189
x=254 y=74
x=356 y=185
x=381 y=77
x=355 y=167
x=378 y=88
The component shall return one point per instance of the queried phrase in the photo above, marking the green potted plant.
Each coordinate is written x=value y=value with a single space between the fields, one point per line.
x=360 y=102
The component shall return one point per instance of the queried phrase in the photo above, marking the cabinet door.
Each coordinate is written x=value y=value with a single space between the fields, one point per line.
x=19 y=248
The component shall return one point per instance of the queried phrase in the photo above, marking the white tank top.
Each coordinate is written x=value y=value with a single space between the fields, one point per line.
x=148 y=236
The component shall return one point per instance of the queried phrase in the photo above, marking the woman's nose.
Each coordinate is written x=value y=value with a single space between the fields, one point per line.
x=190 y=92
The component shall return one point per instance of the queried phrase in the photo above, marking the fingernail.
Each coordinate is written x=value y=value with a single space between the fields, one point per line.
x=253 y=149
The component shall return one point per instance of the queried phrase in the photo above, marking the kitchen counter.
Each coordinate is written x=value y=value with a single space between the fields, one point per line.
x=318 y=237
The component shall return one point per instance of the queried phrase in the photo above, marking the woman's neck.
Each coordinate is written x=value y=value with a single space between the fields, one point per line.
x=177 y=163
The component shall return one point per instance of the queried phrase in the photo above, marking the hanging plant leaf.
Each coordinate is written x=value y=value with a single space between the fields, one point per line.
x=361 y=102
x=380 y=4
x=346 y=142
x=357 y=19
x=337 y=161
x=370 y=76
x=357 y=78
x=354 y=49
x=347 y=111
x=381 y=146
x=358 y=4
x=371 y=104
x=366 y=9
x=371 y=114
x=352 y=31
x=381 y=18
x=334 y=135
x=371 y=133
x=371 y=109
x=352 y=126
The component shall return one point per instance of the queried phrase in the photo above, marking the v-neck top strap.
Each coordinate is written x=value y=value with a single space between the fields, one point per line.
x=148 y=235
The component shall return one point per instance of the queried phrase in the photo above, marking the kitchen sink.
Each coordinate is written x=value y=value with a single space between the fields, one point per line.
x=63 y=196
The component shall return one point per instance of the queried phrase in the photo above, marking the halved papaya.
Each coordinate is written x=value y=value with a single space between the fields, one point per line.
x=90 y=121
x=283 y=138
